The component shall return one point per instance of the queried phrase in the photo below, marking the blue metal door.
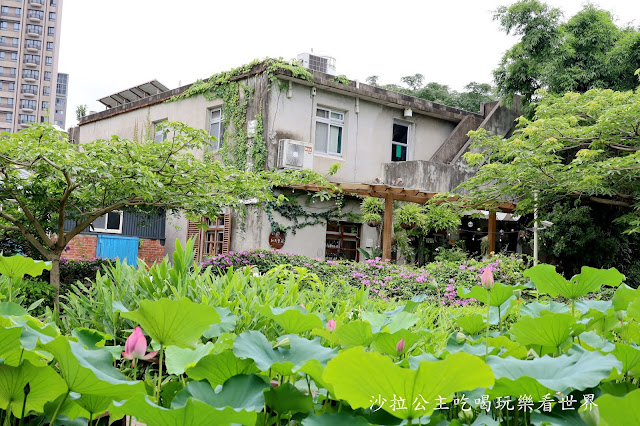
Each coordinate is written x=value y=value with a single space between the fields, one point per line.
x=117 y=247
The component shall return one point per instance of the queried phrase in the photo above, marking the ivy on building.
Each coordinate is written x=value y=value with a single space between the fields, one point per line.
x=236 y=97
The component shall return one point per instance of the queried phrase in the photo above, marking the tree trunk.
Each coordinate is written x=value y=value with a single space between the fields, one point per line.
x=54 y=278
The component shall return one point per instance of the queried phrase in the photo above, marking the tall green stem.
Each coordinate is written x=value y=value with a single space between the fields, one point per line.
x=159 y=382
x=55 y=414
x=486 y=349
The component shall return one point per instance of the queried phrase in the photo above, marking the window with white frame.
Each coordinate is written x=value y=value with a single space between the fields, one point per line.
x=216 y=129
x=329 y=131
x=110 y=223
x=160 y=131
x=400 y=141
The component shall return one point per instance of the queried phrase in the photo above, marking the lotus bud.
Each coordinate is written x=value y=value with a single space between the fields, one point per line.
x=284 y=343
x=486 y=280
x=460 y=338
x=400 y=346
x=466 y=416
x=620 y=315
x=331 y=325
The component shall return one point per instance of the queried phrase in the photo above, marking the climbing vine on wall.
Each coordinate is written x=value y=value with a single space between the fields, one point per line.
x=300 y=218
x=235 y=98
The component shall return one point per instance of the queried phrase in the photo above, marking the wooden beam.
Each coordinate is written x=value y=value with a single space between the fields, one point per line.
x=492 y=233
x=387 y=228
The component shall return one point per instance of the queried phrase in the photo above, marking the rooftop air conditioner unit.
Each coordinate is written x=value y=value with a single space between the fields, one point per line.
x=325 y=64
x=294 y=155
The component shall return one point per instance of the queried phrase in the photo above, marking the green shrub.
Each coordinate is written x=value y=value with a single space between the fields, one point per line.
x=79 y=270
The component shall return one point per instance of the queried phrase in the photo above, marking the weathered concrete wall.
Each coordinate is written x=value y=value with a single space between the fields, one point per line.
x=427 y=175
x=456 y=140
x=367 y=134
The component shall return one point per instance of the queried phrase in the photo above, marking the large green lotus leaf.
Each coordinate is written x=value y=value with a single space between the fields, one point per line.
x=35 y=332
x=508 y=347
x=10 y=309
x=173 y=322
x=499 y=294
x=535 y=309
x=179 y=358
x=293 y=319
x=94 y=404
x=9 y=341
x=217 y=368
x=45 y=385
x=547 y=280
x=354 y=333
x=91 y=339
x=617 y=388
x=557 y=417
x=386 y=343
x=193 y=413
x=286 y=398
x=580 y=370
x=18 y=266
x=90 y=371
x=402 y=320
x=521 y=386
x=623 y=296
x=358 y=377
x=547 y=330
x=239 y=392
x=590 y=340
x=252 y=344
x=630 y=358
x=633 y=310
x=226 y=325
x=584 y=306
x=333 y=419
x=376 y=320
x=315 y=370
x=70 y=412
x=471 y=324
x=615 y=411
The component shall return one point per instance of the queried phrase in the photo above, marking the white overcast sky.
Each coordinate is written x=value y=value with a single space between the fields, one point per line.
x=110 y=46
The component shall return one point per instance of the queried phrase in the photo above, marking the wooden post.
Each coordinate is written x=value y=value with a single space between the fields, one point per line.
x=387 y=228
x=492 y=233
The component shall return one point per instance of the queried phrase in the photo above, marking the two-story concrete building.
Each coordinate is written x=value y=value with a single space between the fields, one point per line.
x=308 y=120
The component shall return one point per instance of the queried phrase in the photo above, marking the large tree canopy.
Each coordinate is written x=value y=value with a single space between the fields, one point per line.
x=587 y=51
x=44 y=180
x=584 y=146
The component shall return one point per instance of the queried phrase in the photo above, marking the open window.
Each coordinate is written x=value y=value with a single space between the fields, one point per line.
x=400 y=141
x=214 y=238
x=343 y=240
x=110 y=223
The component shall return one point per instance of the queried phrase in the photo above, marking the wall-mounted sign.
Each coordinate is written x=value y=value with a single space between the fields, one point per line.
x=276 y=240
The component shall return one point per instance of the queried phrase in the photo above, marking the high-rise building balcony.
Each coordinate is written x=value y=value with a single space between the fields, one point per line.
x=36 y=3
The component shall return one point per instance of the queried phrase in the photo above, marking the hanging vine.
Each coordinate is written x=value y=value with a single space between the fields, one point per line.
x=300 y=218
x=235 y=98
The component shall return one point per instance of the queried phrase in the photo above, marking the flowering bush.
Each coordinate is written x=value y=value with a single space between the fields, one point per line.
x=438 y=280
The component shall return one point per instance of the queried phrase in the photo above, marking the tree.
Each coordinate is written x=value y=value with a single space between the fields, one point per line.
x=580 y=146
x=45 y=180
x=372 y=80
x=413 y=81
x=588 y=51
x=81 y=111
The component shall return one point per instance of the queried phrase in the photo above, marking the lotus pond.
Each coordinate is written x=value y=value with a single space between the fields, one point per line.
x=179 y=345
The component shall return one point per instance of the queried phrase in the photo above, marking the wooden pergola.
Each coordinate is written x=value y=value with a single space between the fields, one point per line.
x=390 y=193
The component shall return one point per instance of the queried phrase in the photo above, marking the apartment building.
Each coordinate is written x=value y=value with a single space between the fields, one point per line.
x=29 y=46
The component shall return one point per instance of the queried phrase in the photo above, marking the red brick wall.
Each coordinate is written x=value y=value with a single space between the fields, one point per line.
x=84 y=247
x=150 y=251
x=81 y=247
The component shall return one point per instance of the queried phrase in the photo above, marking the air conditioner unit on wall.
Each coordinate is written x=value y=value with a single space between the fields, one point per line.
x=294 y=155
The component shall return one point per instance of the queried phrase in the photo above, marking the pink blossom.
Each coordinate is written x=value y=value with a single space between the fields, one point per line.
x=400 y=346
x=136 y=346
x=331 y=325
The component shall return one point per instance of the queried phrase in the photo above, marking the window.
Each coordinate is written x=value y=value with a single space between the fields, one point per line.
x=9 y=116
x=30 y=88
x=215 y=128
x=35 y=74
x=329 y=127
x=13 y=71
x=29 y=104
x=49 y=45
x=160 y=131
x=4 y=10
x=32 y=59
x=53 y=3
x=34 y=44
x=12 y=86
x=343 y=240
x=15 y=41
x=16 y=26
x=46 y=90
x=18 y=11
x=59 y=101
x=52 y=16
x=47 y=75
x=10 y=102
x=34 y=29
x=214 y=239
x=14 y=56
x=4 y=25
x=37 y=14
x=48 y=60
x=400 y=141
x=51 y=31
x=59 y=111
x=110 y=223
x=45 y=105
x=24 y=118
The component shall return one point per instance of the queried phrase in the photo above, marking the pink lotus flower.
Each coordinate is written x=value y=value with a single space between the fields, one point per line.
x=331 y=325
x=136 y=346
x=487 y=279
x=400 y=346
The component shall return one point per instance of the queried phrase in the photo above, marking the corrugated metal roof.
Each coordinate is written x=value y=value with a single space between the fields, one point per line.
x=135 y=93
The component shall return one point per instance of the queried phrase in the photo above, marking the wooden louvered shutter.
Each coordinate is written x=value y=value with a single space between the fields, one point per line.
x=226 y=239
x=194 y=232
